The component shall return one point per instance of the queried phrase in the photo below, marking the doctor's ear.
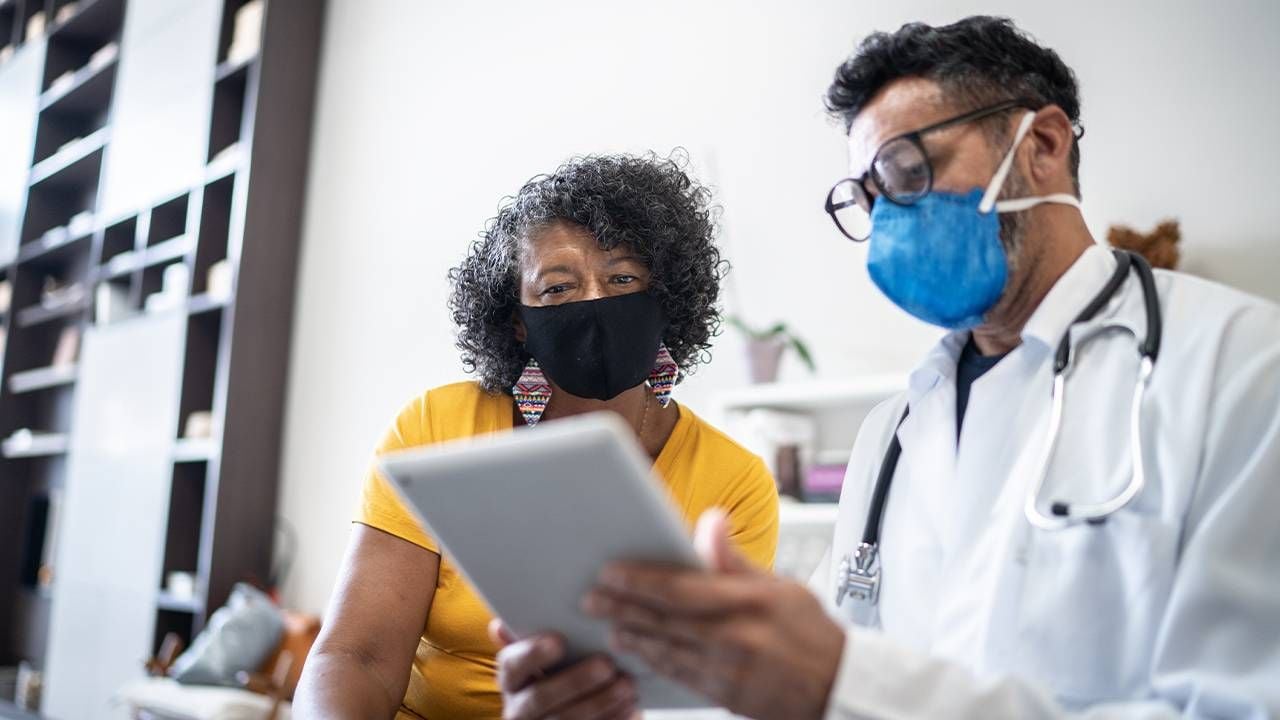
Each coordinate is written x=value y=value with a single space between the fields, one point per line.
x=518 y=326
x=1051 y=138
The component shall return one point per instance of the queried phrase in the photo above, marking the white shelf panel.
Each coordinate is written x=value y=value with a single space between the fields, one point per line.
x=42 y=378
x=815 y=395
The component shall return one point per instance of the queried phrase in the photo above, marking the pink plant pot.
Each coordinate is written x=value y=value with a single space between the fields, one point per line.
x=763 y=358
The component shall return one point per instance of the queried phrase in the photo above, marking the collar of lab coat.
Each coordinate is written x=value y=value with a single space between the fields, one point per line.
x=1077 y=286
x=1051 y=319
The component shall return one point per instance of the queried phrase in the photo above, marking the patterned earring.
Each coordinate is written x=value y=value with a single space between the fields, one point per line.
x=532 y=392
x=663 y=377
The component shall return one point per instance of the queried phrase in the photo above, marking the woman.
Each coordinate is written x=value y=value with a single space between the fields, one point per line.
x=593 y=289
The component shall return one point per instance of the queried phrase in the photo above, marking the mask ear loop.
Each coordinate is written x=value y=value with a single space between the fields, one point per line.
x=1019 y=204
x=997 y=183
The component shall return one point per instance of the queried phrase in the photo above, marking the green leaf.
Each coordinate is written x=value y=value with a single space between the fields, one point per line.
x=803 y=351
x=737 y=323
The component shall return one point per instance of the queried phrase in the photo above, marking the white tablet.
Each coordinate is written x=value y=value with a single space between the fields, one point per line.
x=531 y=516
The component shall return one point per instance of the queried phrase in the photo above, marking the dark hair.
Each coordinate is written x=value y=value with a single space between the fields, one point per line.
x=647 y=203
x=977 y=61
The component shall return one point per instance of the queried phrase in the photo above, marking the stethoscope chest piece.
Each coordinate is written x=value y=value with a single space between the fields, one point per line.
x=859 y=575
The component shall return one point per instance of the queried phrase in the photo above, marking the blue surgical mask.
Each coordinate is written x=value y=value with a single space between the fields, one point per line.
x=941 y=258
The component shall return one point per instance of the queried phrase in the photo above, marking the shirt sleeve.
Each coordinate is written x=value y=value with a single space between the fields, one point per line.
x=1217 y=652
x=380 y=503
x=753 y=515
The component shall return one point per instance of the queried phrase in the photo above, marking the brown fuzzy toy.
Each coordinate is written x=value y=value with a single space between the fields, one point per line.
x=1159 y=247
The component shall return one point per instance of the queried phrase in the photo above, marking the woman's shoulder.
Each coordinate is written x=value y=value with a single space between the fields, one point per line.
x=467 y=393
x=715 y=471
x=704 y=444
x=456 y=410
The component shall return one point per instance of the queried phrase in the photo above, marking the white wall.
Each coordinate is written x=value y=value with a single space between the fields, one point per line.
x=430 y=112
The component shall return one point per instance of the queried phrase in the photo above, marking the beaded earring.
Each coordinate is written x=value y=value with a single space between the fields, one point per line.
x=532 y=392
x=663 y=378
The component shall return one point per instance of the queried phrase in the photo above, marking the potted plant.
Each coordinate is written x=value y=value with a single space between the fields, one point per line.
x=765 y=349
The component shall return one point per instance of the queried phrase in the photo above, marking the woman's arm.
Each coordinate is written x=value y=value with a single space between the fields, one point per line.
x=359 y=667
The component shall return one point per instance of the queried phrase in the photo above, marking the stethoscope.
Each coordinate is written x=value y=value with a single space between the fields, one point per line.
x=858 y=576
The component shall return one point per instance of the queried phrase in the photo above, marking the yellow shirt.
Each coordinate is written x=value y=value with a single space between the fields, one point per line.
x=454 y=669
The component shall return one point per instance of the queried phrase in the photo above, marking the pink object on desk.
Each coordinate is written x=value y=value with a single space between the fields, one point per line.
x=824 y=480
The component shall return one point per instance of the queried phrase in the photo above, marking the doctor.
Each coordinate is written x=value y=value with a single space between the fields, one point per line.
x=1073 y=507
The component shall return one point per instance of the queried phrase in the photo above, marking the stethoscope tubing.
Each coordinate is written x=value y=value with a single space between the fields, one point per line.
x=865 y=571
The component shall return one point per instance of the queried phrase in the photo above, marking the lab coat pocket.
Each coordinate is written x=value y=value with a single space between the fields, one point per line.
x=1091 y=604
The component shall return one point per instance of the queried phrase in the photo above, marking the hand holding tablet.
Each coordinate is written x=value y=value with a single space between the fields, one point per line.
x=531 y=517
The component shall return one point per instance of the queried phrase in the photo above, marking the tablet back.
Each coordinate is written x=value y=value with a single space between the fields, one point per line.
x=531 y=516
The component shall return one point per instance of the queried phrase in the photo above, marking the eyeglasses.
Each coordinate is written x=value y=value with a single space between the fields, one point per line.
x=900 y=171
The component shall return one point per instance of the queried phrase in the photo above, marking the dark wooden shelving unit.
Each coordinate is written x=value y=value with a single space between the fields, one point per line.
x=242 y=214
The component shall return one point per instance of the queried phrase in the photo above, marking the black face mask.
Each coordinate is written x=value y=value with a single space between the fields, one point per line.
x=596 y=348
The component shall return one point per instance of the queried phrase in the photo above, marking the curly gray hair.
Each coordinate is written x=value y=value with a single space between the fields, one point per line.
x=647 y=203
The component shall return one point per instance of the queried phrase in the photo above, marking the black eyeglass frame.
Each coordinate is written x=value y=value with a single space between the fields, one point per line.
x=915 y=138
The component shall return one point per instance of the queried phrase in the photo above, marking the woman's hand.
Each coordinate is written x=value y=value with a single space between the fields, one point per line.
x=591 y=688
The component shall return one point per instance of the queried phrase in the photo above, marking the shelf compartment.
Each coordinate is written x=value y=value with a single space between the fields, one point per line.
x=77 y=163
x=178 y=621
x=86 y=90
x=227 y=122
x=115 y=299
x=118 y=240
x=240 y=37
x=8 y=23
x=34 y=543
x=64 y=265
x=94 y=21
x=153 y=282
x=200 y=363
x=184 y=534
x=167 y=244
x=22 y=16
x=39 y=314
x=212 y=243
x=42 y=378
x=168 y=220
x=75 y=111
x=31 y=612
x=38 y=347
x=47 y=249
x=63 y=186
x=75 y=42
x=57 y=204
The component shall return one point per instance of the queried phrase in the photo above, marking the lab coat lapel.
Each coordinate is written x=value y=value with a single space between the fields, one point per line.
x=1005 y=423
x=911 y=533
x=927 y=467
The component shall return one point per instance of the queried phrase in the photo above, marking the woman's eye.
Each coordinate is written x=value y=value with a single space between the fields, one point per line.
x=625 y=279
x=555 y=290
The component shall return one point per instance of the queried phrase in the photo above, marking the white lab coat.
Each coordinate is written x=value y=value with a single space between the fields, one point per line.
x=1169 y=609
